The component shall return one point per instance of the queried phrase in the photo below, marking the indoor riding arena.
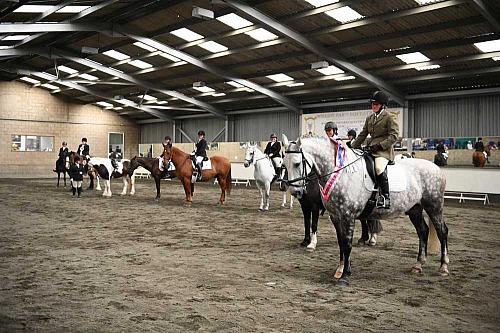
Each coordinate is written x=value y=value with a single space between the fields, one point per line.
x=160 y=162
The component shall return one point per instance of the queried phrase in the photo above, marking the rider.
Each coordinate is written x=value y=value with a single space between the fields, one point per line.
x=76 y=172
x=273 y=150
x=63 y=151
x=201 y=150
x=480 y=147
x=441 y=149
x=384 y=132
x=351 y=134
x=331 y=130
x=168 y=141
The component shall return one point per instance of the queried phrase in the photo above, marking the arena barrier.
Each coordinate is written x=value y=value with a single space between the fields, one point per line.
x=475 y=184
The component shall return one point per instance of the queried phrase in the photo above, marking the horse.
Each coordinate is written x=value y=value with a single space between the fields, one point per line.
x=346 y=189
x=153 y=166
x=89 y=171
x=440 y=159
x=104 y=168
x=312 y=207
x=264 y=175
x=478 y=158
x=221 y=170
x=62 y=166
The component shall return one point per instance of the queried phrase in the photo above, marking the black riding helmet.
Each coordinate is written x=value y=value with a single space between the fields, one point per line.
x=379 y=97
x=331 y=125
x=168 y=138
x=84 y=139
x=352 y=132
x=273 y=136
x=201 y=132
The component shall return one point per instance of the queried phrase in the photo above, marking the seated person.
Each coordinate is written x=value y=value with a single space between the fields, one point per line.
x=273 y=150
x=201 y=150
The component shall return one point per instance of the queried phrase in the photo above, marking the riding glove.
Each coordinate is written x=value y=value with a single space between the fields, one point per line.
x=376 y=147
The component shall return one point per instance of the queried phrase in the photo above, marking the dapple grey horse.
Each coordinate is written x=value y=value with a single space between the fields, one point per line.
x=424 y=190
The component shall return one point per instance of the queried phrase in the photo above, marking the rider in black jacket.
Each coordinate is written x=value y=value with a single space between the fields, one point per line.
x=201 y=150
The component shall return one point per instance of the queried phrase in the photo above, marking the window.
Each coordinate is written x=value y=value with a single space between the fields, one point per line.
x=115 y=144
x=32 y=143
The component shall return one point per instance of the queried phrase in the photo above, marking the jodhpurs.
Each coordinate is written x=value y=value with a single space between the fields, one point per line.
x=277 y=161
x=380 y=164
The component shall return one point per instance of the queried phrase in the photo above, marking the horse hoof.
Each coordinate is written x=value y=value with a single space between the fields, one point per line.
x=416 y=270
x=444 y=271
x=361 y=241
x=342 y=283
x=304 y=243
x=310 y=249
x=372 y=243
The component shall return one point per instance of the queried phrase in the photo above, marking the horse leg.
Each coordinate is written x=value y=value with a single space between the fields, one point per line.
x=437 y=218
x=132 y=184
x=58 y=177
x=157 y=182
x=364 y=232
x=416 y=217
x=267 y=193
x=314 y=237
x=347 y=227
x=125 y=185
x=283 y=203
x=338 y=230
x=374 y=228
x=186 y=182
x=261 y=192
x=222 y=184
x=64 y=176
x=91 y=186
x=306 y=211
x=291 y=198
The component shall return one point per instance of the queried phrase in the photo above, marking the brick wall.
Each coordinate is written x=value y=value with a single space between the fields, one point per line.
x=34 y=111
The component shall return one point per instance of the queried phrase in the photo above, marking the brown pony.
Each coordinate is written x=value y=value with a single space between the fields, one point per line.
x=221 y=169
x=478 y=158
x=152 y=165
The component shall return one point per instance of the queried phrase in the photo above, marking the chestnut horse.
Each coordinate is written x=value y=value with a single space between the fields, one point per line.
x=478 y=158
x=152 y=165
x=221 y=169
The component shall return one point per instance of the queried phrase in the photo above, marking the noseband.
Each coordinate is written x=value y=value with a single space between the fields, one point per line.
x=305 y=177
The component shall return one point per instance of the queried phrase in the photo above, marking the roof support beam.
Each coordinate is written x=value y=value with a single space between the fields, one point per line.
x=487 y=14
x=317 y=48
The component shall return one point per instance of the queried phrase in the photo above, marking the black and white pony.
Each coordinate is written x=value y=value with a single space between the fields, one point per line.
x=104 y=169
x=264 y=175
x=346 y=189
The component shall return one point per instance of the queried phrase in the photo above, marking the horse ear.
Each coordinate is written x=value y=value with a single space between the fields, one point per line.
x=286 y=143
x=299 y=142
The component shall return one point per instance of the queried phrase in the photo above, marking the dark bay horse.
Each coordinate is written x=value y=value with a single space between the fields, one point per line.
x=88 y=170
x=423 y=189
x=62 y=166
x=221 y=170
x=152 y=165
x=478 y=158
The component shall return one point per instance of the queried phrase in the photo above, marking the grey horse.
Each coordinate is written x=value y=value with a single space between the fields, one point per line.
x=424 y=190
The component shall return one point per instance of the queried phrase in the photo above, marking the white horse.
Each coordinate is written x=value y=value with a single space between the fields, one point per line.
x=104 y=169
x=264 y=174
x=346 y=188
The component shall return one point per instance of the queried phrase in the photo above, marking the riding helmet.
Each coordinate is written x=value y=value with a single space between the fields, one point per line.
x=84 y=139
x=379 y=97
x=168 y=138
x=201 y=132
x=352 y=132
x=77 y=158
x=64 y=143
x=273 y=136
x=331 y=125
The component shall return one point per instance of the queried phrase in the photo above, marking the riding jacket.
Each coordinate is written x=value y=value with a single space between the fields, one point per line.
x=83 y=149
x=479 y=146
x=273 y=150
x=383 y=129
x=440 y=148
x=201 y=148
x=63 y=151
x=76 y=172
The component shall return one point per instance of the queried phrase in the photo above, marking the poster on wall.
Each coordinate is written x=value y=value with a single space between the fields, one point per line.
x=314 y=123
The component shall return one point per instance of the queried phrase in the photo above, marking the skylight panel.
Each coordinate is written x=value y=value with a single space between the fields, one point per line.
x=235 y=21
x=67 y=69
x=426 y=68
x=169 y=57
x=204 y=89
x=220 y=94
x=321 y=3
x=124 y=101
x=261 y=34
x=412 y=58
x=116 y=55
x=105 y=104
x=118 y=108
x=145 y=46
x=16 y=37
x=489 y=46
x=49 y=86
x=30 y=80
x=213 y=47
x=235 y=84
x=148 y=97
x=44 y=8
x=344 y=14
x=296 y=84
x=89 y=77
x=161 y=102
x=280 y=77
x=345 y=78
x=186 y=34
x=140 y=64
x=330 y=70
x=72 y=9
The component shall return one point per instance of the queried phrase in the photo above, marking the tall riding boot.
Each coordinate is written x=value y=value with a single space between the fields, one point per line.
x=200 y=173
x=79 y=191
x=384 y=200
x=74 y=190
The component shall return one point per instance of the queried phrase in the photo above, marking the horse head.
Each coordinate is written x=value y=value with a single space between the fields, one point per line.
x=167 y=152
x=249 y=156
x=133 y=164
x=297 y=166
x=283 y=179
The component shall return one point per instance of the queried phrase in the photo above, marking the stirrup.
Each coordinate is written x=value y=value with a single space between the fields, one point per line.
x=384 y=203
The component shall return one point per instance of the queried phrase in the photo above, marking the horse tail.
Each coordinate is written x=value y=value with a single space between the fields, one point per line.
x=229 y=181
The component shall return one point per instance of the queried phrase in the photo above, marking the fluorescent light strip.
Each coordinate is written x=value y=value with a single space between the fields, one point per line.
x=30 y=80
x=204 y=89
x=345 y=78
x=412 y=58
x=426 y=68
x=140 y=64
x=218 y=94
x=261 y=35
x=44 y=8
x=344 y=14
x=234 y=21
x=105 y=104
x=488 y=46
x=496 y=58
x=148 y=97
x=116 y=55
x=425 y=2
x=321 y=3
x=66 y=69
x=186 y=34
x=16 y=37
x=213 y=47
x=49 y=86
x=330 y=70
x=88 y=77
x=235 y=84
x=280 y=77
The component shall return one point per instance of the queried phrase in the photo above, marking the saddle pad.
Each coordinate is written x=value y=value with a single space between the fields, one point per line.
x=207 y=165
x=396 y=175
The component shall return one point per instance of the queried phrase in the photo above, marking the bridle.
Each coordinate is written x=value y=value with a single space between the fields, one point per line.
x=253 y=160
